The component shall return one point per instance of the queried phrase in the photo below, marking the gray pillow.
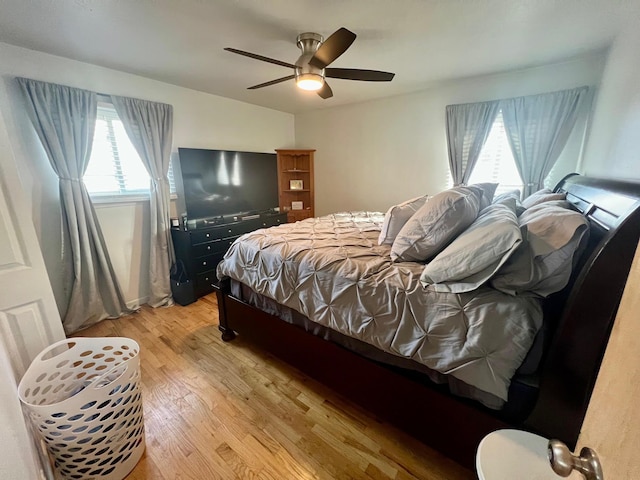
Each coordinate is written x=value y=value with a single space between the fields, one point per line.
x=543 y=264
x=512 y=194
x=436 y=223
x=397 y=216
x=488 y=190
x=542 y=196
x=477 y=253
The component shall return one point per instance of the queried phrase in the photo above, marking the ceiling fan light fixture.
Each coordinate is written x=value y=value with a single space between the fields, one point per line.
x=310 y=81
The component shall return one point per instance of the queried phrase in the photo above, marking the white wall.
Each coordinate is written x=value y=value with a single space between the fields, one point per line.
x=200 y=120
x=612 y=149
x=372 y=155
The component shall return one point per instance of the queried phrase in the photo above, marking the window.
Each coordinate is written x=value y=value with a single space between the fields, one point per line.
x=115 y=168
x=496 y=163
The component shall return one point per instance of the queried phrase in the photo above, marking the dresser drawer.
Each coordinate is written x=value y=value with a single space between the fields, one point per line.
x=222 y=231
x=210 y=262
x=205 y=282
x=273 y=221
x=216 y=246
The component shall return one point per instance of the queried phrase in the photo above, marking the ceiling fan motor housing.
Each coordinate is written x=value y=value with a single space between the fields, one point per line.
x=309 y=43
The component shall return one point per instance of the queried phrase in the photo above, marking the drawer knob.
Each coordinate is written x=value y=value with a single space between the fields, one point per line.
x=230 y=230
x=206 y=279
x=207 y=235
x=208 y=247
x=204 y=263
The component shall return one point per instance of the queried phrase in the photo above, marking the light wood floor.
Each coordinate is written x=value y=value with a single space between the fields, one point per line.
x=216 y=410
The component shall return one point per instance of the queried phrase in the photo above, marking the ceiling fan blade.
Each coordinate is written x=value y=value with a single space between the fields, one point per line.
x=272 y=82
x=325 y=92
x=333 y=47
x=358 y=74
x=260 y=57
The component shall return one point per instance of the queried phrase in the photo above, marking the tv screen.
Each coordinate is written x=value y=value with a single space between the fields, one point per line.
x=228 y=183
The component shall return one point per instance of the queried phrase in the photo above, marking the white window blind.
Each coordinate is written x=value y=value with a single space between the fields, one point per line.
x=496 y=163
x=115 y=167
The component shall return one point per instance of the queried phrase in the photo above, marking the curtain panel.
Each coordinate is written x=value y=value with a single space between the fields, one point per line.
x=64 y=119
x=149 y=126
x=538 y=127
x=468 y=126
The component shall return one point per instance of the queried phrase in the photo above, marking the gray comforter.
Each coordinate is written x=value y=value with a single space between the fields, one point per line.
x=332 y=270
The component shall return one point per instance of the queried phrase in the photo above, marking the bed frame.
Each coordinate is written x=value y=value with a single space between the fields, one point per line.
x=579 y=320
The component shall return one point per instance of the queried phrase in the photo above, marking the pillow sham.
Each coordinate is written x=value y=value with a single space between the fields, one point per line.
x=436 y=223
x=488 y=190
x=542 y=196
x=512 y=194
x=543 y=264
x=397 y=216
x=477 y=253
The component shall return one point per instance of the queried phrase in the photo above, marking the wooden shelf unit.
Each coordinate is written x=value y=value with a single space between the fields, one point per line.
x=296 y=165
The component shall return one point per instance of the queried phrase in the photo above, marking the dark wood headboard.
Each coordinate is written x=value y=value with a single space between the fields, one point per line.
x=584 y=324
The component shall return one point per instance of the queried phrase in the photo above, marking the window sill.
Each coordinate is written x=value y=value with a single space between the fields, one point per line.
x=135 y=198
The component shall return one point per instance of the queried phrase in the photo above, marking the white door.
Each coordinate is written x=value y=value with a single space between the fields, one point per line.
x=29 y=319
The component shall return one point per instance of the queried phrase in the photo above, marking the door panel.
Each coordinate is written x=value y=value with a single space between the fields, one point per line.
x=29 y=318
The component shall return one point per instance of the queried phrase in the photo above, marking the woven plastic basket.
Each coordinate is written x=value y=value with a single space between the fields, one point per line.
x=83 y=396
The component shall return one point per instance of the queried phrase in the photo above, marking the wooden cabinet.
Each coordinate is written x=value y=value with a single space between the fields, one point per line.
x=295 y=183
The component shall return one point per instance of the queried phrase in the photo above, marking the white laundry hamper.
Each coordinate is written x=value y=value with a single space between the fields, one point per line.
x=84 y=398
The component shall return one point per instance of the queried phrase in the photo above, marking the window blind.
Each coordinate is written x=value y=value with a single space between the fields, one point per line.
x=496 y=163
x=115 y=167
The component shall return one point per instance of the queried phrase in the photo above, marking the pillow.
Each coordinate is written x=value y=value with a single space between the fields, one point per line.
x=488 y=189
x=543 y=264
x=396 y=217
x=512 y=194
x=436 y=223
x=478 y=252
x=541 y=196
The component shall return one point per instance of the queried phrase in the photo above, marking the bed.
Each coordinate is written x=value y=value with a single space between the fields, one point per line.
x=447 y=366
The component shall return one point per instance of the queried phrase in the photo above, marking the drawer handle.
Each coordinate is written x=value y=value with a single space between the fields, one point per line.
x=207 y=235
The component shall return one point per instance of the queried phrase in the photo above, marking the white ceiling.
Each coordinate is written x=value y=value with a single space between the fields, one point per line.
x=423 y=41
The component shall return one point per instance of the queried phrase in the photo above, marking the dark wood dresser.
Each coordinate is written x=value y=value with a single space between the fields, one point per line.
x=201 y=249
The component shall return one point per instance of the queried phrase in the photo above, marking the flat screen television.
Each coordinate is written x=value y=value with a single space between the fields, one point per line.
x=221 y=183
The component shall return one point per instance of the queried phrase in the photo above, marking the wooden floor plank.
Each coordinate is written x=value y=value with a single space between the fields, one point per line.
x=216 y=410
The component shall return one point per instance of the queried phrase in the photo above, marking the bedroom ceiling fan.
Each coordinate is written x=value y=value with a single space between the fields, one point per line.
x=311 y=69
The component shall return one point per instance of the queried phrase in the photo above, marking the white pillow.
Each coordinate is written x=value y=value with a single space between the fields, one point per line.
x=477 y=253
x=397 y=216
x=436 y=223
